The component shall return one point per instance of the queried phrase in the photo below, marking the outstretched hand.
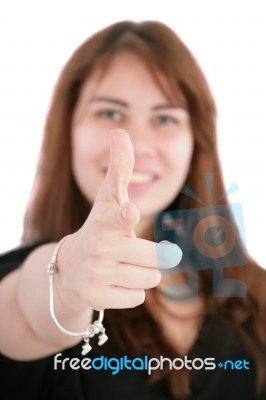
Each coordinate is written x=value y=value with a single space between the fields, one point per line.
x=107 y=265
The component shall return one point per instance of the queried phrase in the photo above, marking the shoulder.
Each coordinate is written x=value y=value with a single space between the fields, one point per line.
x=12 y=258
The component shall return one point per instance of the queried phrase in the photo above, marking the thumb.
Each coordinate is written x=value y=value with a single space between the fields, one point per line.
x=121 y=164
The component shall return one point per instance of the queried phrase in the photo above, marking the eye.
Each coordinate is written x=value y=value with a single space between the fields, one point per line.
x=165 y=120
x=112 y=115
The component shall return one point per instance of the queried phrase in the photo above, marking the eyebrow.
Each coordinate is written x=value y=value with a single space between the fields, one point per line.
x=125 y=104
x=109 y=100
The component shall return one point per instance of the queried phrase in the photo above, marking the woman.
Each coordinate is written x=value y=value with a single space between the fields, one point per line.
x=134 y=91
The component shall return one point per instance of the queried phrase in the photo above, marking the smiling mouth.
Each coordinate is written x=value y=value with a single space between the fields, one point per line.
x=142 y=177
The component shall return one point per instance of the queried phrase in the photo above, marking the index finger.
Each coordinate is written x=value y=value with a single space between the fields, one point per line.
x=146 y=253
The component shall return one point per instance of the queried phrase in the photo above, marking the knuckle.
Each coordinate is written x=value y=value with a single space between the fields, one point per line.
x=98 y=247
x=153 y=278
x=138 y=298
x=156 y=277
x=92 y=273
x=95 y=248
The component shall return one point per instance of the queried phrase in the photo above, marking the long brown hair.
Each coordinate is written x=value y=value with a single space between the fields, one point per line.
x=56 y=206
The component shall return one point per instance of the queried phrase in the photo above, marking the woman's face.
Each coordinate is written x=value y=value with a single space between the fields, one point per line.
x=127 y=97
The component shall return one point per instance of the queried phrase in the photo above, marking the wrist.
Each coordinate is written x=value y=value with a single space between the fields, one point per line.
x=95 y=328
x=67 y=299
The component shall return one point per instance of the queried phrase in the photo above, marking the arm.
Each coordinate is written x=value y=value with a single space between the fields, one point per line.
x=28 y=331
x=102 y=265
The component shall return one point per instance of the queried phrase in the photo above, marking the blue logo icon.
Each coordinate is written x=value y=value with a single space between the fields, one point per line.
x=211 y=238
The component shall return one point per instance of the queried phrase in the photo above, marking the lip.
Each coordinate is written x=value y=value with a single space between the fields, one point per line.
x=138 y=170
x=136 y=188
x=139 y=187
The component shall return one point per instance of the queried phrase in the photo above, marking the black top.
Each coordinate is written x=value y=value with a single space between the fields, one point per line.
x=37 y=380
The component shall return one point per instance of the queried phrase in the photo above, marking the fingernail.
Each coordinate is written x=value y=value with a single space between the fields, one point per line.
x=169 y=254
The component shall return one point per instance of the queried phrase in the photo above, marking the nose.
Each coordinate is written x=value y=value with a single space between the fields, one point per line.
x=143 y=139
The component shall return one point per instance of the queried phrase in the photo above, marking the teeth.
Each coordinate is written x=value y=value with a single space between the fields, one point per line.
x=140 y=177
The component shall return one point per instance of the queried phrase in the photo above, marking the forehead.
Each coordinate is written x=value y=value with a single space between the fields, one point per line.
x=125 y=73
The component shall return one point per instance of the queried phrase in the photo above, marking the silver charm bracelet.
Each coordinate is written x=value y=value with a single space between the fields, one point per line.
x=93 y=329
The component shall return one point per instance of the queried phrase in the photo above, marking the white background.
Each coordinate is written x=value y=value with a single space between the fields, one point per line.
x=228 y=39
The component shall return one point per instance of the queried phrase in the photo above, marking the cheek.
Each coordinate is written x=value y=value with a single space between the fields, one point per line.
x=87 y=144
x=178 y=153
x=89 y=151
